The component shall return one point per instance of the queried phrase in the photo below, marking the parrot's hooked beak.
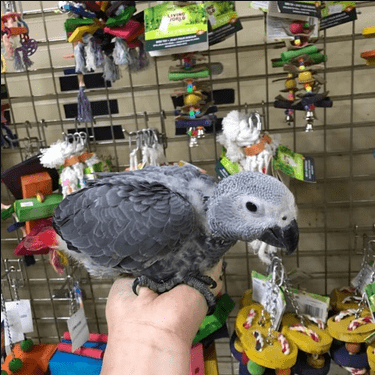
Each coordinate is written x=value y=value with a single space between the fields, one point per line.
x=286 y=238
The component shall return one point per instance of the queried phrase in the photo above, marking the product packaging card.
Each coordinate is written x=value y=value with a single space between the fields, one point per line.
x=222 y=20
x=335 y=13
x=310 y=304
x=278 y=22
x=261 y=5
x=302 y=8
x=171 y=29
x=370 y=297
x=294 y=165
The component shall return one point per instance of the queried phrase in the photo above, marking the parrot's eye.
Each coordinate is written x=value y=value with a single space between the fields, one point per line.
x=284 y=218
x=251 y=207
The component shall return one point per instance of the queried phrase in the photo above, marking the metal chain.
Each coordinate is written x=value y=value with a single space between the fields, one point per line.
x=292 y=299
x=3 y=308
x=365 y=261
x=271 y=302
x=362 y=302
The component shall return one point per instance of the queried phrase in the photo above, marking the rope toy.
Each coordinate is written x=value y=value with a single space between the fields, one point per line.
x=317 y=321
x=259 y=344
x=306 y=331
x=344 y=314
x=249 y=319
x=359 y=322
x=284 y=344
x=356 y=371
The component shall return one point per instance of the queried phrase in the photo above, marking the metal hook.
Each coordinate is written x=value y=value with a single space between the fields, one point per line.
x=146 y=118
x=246 y=106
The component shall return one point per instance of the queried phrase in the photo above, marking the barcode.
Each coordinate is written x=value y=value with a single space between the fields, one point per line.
x=314 y=311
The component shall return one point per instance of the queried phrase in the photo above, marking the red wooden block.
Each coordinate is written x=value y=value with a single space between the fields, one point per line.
x=196 y=360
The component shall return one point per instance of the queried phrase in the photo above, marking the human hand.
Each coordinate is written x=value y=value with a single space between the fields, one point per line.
x=150 y=323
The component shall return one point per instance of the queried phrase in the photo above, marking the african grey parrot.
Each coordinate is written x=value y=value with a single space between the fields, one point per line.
x=167 y=225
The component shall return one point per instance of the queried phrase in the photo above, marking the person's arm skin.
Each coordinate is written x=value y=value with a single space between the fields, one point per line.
x=152 y=334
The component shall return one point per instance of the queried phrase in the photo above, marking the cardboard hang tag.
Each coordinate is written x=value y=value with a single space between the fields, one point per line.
x=14 y=329
x=78 y=329
x=23 y=308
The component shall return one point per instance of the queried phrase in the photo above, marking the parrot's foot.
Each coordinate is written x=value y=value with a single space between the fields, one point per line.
x=199 y=282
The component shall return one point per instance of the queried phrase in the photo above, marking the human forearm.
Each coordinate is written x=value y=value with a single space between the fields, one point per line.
x=150 y=353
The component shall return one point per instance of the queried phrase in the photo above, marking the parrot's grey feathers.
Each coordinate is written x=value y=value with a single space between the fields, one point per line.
x=170 y=224
x=129 y=221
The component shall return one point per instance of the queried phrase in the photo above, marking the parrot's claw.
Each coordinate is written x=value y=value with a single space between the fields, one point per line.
x=199 y=283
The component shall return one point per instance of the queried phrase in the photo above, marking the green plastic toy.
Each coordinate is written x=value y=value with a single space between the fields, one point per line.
x=212 y=323
x=121 y=19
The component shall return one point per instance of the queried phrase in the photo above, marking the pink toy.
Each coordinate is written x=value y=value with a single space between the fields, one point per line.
x=296 y=28
x=87 y=352
x=98 y=337
x=196 y=360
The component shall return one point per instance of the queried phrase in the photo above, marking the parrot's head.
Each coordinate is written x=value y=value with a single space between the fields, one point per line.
x=253 y=206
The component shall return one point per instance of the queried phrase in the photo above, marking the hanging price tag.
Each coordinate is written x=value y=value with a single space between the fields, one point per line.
x=363 y=278
x=14 y=328
x=310 y=304
x=78 y=329
x=23 y=308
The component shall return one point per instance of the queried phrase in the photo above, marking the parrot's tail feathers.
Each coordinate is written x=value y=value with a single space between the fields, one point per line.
x=88 y=263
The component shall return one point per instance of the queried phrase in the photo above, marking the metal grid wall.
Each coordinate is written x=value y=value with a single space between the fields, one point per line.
x=334 y=215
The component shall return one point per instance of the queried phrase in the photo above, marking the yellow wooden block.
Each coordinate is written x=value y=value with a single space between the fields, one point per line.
x=339 y=330
x=304 y=342
x=371 y=356
x=210 y=360
x=270 y=356
x=80 y=31
x=338 y=296
x=369 y=32
x=246 y=299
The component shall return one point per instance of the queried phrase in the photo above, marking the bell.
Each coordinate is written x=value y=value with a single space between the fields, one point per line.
x=309 y=117
x=193 y=133
x=201 y=132
x=193 y=142
x=309 y=127
x=289 y=119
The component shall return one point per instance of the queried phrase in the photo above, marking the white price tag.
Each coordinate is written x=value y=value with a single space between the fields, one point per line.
x=310 y=304
x=78 y=329
x=24 y=311
x=363 y=278
x=15 y=327
x=27 y=204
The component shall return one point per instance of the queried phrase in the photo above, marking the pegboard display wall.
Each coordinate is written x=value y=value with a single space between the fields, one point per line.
x=336 y=214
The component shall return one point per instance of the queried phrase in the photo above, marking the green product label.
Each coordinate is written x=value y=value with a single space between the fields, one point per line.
x=167 y=21
x=294 y=165
x=223 y=20
x=370 y=296
x=336 y=13
x=231 y=167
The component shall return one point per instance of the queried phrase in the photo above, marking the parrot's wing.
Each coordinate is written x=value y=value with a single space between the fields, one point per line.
x=125 y=222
